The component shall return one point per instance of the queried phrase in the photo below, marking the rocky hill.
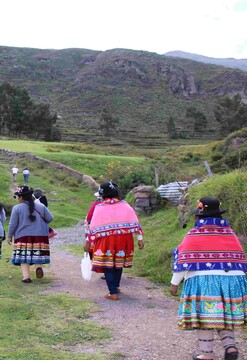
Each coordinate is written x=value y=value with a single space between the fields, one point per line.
x=143 y=91
x=240 y=64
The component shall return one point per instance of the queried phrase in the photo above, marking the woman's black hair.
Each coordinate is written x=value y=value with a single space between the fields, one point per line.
x=28 y=198
x=114 y=194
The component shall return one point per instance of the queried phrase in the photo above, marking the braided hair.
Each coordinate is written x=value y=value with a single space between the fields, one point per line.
x=29 y=199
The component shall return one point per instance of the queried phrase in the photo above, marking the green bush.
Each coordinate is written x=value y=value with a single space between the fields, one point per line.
x=135 y=177
x=216 y=156
x=237 y=134
x=61 y=176
x=241 y=223
x=190 y=157
x=219 y=166
x=231 y=189
x=232 y=159
x=71 y=182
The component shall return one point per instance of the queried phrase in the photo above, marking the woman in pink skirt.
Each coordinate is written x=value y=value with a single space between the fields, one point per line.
x=111 y=231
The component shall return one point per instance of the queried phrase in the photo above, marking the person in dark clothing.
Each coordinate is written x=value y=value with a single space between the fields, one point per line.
x=39 y=196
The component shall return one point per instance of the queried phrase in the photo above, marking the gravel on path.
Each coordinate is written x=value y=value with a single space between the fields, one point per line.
x=143 y=321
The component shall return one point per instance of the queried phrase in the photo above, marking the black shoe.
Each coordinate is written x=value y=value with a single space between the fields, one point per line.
x=27 y=281
x=39 y=273
x=231 y=355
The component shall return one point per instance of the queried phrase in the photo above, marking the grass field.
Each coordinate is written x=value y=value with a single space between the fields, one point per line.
x=23 y=323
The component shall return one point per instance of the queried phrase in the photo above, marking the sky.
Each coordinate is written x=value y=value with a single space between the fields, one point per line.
x=214 y=28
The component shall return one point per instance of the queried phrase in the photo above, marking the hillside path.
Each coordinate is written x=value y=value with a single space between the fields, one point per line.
x=143 y=321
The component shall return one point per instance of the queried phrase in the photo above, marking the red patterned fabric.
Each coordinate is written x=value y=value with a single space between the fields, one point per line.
x=113 y=251
x=218 y=244
x=113 y=217
x=210 y=247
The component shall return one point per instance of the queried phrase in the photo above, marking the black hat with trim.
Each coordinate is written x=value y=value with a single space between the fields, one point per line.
x=23 y=190
x=108 y=189
x=208 y=206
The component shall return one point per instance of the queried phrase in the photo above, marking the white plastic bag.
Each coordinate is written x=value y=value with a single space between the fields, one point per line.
x=86 y=267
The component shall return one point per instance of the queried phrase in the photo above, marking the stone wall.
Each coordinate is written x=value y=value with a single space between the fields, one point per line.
x=146 y=199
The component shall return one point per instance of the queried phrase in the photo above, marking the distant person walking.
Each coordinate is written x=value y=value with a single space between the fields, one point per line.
x=26 y=174
x=14 y=172
x=2 y=233
x=29 y=227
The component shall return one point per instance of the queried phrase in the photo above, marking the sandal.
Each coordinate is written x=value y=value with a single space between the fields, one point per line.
x=231 y=355
x=111 y=297
x=196 y=356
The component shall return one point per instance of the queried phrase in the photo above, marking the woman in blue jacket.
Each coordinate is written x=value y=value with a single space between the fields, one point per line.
x=29 y=227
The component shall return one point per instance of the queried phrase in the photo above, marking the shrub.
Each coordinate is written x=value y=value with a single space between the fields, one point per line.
x=217 y=156
x=219 y=167
x=241 y=223
x=231 y=191
x=52 y=149
x=60 y=176
x=136 y=177
x=71 y=182
x=190 y=157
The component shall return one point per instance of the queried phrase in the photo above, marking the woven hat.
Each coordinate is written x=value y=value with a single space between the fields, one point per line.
x=23 y=190
x=208 y=206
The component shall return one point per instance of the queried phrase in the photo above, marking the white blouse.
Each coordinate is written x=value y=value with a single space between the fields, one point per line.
x=179 y=276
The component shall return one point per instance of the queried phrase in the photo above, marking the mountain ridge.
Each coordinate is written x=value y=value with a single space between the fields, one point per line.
x=233 y=63
x=143 y=91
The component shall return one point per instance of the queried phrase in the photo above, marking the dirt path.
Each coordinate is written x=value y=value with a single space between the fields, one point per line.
x=144 y=320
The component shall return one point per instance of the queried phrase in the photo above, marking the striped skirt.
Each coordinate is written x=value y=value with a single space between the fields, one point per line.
x=31 y=250
x=114 y=251
x=213 y=302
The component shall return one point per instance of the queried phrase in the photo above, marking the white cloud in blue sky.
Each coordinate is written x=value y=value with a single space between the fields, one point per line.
x=214 y=28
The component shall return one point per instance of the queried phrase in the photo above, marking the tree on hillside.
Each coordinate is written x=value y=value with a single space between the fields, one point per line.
x=108 y=123
x=14 y=105
x=231 y=114
x=41 y=121
x=171 y=128
x=198 y=120
x=20 y=116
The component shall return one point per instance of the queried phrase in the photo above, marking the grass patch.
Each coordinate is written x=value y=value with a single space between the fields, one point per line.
x=37 y=326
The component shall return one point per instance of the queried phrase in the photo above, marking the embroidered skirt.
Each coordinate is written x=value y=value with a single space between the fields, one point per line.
x=213 y=302
x=31 y=250
x=114 y=251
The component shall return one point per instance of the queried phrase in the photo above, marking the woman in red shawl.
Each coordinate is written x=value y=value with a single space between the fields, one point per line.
x=111 y=231
x=213 y=264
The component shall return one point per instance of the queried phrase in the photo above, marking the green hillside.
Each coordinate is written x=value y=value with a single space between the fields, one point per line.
x=142 y=90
